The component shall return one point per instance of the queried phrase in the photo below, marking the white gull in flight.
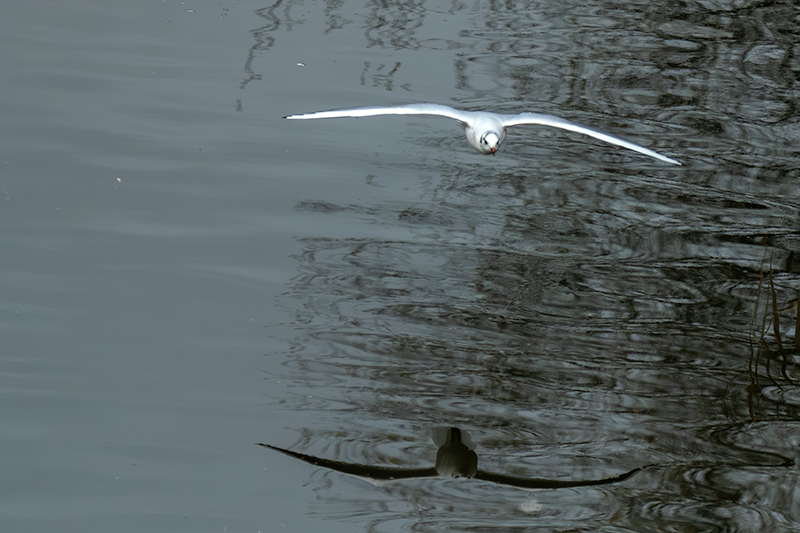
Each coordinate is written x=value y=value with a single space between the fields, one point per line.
x=485 y=131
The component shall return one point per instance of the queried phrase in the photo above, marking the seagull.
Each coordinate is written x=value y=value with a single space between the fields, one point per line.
x=485 y=131
x=455 y=458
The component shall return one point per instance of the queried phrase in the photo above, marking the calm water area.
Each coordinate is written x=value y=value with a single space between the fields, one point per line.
x=184 y=274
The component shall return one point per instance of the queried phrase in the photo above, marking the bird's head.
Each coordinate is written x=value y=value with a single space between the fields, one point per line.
x=490 y=142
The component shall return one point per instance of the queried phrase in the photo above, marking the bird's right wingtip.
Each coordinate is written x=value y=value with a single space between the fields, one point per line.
x=667 y=159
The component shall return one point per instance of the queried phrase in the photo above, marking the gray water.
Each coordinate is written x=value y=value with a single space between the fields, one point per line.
x=184 y=274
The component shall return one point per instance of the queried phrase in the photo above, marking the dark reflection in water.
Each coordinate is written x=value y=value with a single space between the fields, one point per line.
x=589 y=313
x=455 y=458
x=582 y=338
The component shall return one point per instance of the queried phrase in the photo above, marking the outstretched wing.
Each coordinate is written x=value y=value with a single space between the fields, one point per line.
x=372 y=472
x=411 y=109
x=533 y=483
x=556 y=122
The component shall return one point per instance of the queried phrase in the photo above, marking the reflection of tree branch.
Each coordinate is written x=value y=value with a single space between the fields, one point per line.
x=759 y=344
x=382 y=79
x=333 y=20
x=394 y=24
x=263 y=40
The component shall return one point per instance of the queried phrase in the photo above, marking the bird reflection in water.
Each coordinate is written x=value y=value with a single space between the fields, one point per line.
x=456 y=458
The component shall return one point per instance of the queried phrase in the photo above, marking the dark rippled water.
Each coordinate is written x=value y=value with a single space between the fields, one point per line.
x=185 y=274
x=581 y=311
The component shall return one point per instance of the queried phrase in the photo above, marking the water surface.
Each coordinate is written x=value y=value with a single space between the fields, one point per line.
x=185 y=274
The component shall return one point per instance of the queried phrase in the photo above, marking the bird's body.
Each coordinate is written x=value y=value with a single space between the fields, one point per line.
x=485 y=131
